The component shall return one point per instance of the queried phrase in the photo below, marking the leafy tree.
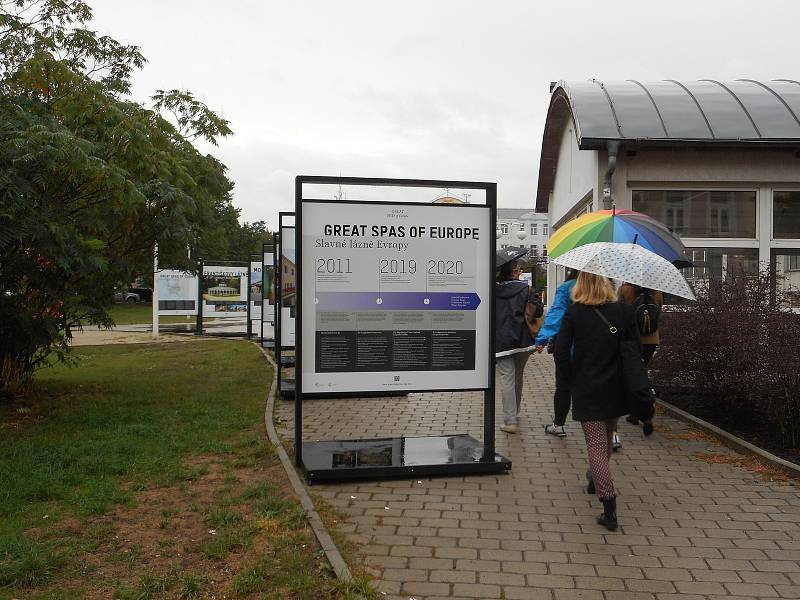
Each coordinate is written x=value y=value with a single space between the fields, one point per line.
x=90 y=180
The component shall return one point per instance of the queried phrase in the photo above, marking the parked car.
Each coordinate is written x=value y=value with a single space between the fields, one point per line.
x=145 y=294
x=127 y=297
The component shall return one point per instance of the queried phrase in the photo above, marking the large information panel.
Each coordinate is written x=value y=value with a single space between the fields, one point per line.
x=395 y=296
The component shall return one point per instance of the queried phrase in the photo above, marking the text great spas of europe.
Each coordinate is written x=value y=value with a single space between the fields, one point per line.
x=401 y=231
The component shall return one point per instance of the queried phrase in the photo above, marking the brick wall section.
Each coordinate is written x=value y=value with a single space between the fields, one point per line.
x=690 y=529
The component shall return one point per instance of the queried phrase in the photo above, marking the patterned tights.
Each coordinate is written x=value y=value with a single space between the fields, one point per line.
x=598 y=445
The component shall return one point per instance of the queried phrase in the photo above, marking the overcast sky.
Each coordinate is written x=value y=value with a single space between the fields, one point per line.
x=429 y=89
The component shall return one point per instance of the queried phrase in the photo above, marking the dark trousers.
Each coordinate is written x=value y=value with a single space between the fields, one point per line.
x=647 y=352
x=561 y=399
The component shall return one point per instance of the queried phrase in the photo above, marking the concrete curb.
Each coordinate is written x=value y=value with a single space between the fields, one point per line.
x=731 y=439
x=317 y=525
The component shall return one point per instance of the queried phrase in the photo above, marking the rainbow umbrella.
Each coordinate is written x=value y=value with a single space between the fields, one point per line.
x=621 y=226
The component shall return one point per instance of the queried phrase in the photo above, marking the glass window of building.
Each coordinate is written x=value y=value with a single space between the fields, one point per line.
x=504 y=228
x=544 y=251
x=701 y=213
x=716 y=263
x=535 y=249
x=544 y=229
x=786 y=265
x=534 y=227
x=786 y=214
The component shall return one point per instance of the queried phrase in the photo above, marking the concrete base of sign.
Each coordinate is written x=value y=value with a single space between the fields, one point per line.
x=340 y=460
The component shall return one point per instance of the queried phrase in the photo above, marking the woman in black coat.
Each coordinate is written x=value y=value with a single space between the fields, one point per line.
x=587 y=354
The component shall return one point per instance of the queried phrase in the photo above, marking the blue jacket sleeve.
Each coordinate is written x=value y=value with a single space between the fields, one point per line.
x=552 y=321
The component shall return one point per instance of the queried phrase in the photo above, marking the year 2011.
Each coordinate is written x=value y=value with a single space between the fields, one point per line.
x=333 y=265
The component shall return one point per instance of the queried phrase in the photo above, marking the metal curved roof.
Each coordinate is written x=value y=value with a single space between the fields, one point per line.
x=670 y=112
x=707 y=110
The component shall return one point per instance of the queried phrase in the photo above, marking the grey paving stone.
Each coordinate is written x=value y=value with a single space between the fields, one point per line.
x=689 y=529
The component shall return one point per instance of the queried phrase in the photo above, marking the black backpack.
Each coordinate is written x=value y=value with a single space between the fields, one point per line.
x=647 y=311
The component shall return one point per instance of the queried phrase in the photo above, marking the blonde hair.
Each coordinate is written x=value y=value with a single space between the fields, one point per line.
x=592 y=290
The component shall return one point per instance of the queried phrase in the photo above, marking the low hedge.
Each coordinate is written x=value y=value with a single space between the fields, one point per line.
x=733 y=358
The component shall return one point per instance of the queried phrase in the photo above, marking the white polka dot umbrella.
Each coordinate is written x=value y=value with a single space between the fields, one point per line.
x=630 y=263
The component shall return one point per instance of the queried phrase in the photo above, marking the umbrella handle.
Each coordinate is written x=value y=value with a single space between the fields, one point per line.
x=635 y=237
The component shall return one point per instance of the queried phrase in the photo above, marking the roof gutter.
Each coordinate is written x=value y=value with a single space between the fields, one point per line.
x=613 y=149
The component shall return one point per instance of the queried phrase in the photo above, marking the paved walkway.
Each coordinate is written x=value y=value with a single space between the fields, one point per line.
x=694 y=525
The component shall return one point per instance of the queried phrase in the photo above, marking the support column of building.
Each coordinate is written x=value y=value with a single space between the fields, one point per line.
x=764 y=230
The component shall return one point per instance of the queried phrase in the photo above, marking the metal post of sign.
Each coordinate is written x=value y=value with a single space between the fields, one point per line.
x=199 y=326
x=298 y=363
x=489 y=394
x=263 y=291
x=249 y=329
x=450 y=454
x=278 y=283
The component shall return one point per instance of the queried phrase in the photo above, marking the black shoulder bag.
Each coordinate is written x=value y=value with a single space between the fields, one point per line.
x=638 y=388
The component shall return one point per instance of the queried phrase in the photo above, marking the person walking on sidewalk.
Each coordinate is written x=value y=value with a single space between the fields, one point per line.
x=587 y=353
x=647 y=305
x=546 y=339
x=516 y=311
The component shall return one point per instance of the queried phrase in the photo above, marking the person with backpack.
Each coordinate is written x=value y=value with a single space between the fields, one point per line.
x=589 y=353
x=517 y=309
x=647 y=306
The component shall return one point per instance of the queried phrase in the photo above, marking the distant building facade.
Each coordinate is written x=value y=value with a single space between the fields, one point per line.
x=523 y=227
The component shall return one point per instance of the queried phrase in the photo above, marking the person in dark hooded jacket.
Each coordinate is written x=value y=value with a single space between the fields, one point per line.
x=515 y=308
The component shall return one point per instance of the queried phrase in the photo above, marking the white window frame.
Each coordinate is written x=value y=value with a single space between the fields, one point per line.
x=780 y=242
x=793 y=258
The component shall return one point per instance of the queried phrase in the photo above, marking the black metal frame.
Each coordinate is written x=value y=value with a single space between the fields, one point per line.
x=253 y=258
x=264 y=248
x=286 y=387
x=490 y=462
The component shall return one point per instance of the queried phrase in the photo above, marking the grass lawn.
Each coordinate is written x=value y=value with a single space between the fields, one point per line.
x=144 y=473
x=140 y=312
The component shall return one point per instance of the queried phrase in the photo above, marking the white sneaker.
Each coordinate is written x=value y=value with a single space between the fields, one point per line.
x=509 y=428
x=616 y=443
x=556 y=430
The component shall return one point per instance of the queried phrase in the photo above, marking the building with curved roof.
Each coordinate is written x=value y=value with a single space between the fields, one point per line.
x=716 y=161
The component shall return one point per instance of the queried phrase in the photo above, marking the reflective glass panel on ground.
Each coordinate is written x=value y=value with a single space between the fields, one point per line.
x=786 y=214
x=786 y=265
x=701 y=213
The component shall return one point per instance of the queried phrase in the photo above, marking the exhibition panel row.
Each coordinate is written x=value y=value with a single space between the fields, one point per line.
x=234 y=291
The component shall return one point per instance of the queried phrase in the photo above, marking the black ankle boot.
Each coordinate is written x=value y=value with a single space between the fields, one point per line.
x=609 y=517
x=590 y=485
